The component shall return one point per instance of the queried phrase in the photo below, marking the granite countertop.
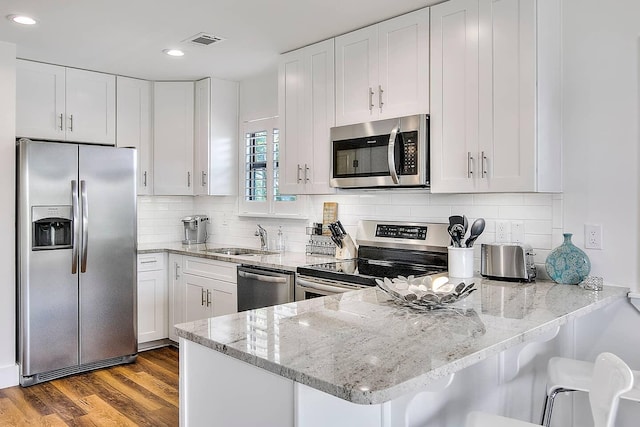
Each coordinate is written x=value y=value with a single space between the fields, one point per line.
x=363 y=348
x=288 y=261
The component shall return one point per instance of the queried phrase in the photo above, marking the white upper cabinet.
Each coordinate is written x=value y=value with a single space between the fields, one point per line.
x=134 y=126
x=65 y=104
x=382 y=71
x=454 y=96
x=216 y=136
x=173 y=123
x=495 y=110
x=306 y=103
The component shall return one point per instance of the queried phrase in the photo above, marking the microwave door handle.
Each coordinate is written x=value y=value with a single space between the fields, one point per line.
x=391 y=153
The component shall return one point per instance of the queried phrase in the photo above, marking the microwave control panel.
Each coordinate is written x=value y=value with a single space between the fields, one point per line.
x=410 y=148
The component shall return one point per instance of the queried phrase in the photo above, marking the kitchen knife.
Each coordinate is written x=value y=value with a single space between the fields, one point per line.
x=342 y=230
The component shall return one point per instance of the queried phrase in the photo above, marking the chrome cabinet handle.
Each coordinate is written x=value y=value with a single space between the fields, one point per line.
x=469 y=165
x=204 y=179
x=298 y=179
x=370 y=100
x=71 y=122
x=153 y=261
x=145 y=178
x=306 y=173
x=176 y=270
x=391 y=153
x=208 y=298
x=61 y=122
x=380 y=103
x=74 y=209
x=85 y=226
x=483 y=159
x=202 y=297
x=188 y=179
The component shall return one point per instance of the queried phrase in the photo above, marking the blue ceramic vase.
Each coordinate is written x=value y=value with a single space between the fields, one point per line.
x=568 y=264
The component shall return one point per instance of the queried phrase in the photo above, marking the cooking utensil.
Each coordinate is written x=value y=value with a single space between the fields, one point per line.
x=476 y=230
x=457 y=232
x=465 y=224
x=456 y=219
x=342 y=230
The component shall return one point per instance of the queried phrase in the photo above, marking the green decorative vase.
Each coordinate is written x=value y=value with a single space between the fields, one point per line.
x=568 y=264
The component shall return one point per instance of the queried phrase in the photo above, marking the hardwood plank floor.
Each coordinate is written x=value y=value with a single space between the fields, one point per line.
x=144 y=393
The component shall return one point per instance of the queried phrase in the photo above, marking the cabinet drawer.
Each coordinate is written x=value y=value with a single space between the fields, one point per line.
x=151 y=262
x=220 y=270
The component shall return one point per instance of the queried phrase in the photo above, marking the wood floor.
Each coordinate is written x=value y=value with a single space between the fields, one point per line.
x=144 y=393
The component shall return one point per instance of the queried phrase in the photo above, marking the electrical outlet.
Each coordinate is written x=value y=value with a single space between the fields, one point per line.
x=517 y=231
x=593 y=236
x=502 y=231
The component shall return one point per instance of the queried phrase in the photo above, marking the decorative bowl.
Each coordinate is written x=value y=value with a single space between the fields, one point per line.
x=419 y=292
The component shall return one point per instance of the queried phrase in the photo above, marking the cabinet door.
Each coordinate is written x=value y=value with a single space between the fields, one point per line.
x=223 y=298
x=176 y=293
x=319 y=117
x=290 y=104
x=507 y=82
x=223 y=165
x=134 y=126
x=357 y=76
x=40 y=105
x=403 y=87
x=454 y=96
x=202 y=128
x=173 y=107
x=196 y=298
x=91 y=107
x=152 y=305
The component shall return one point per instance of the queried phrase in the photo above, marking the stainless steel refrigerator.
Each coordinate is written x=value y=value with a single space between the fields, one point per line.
x=76 y=258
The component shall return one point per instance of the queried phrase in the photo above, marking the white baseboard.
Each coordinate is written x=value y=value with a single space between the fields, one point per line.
x=8 y=376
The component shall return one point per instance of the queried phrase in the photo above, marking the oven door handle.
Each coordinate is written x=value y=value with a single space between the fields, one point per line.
x=261 y=278
x=391 y=153
x=320 y=287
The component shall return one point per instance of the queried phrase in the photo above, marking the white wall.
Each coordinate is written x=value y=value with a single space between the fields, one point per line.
x=600 y=131
x=8 y=369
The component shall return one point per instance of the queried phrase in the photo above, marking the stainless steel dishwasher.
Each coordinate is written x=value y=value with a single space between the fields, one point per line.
x=260 y=287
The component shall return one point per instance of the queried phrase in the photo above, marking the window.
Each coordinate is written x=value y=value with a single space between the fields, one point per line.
x=260 y=157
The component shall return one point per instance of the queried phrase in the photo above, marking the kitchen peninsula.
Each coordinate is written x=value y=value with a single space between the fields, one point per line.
x=359 y=359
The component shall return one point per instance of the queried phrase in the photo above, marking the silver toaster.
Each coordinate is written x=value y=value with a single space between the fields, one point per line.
x=507 y=261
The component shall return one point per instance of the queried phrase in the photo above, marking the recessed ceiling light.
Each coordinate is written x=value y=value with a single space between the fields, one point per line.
x=173 y=52
x=22 y=19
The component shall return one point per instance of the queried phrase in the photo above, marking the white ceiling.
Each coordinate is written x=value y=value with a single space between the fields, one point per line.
x=127 y=36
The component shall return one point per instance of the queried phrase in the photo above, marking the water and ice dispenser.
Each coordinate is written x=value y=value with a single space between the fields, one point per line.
x=52 y=227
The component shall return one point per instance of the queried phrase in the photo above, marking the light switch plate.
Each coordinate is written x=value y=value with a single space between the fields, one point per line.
x=517 y=231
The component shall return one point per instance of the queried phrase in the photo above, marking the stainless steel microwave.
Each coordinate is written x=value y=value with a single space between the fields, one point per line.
x=384 y=153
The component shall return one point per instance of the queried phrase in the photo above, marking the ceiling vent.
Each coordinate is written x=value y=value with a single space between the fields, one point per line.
x=203 y=39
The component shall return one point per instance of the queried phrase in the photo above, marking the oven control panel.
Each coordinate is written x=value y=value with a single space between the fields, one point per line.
x=395 y=231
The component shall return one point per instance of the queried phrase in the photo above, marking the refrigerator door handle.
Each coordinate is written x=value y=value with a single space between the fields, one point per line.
x=74 y=237
x=85 y=226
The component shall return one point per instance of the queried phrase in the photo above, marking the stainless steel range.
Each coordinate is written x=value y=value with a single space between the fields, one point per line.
x=386 y=249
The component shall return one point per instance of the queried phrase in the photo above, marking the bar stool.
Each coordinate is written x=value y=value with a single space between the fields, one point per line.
x=611 y=377
x=567 y=375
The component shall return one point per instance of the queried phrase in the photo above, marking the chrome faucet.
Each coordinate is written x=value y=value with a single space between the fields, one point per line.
x=263 y=237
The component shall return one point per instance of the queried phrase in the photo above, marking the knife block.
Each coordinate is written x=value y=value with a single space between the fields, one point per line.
x=348 y=249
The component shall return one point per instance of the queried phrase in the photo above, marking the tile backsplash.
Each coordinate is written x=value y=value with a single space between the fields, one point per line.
x=540 y=214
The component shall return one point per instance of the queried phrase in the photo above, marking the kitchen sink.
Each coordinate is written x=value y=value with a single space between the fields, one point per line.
x=239 y=251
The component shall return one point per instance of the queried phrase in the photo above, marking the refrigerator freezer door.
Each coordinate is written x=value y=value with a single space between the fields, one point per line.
x=48 y=290
x=107 y=258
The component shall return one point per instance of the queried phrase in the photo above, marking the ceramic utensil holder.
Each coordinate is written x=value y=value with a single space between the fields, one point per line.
x=460 y=262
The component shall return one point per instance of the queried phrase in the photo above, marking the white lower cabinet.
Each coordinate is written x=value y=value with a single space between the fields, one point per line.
x=200 y=288
x=153 y=297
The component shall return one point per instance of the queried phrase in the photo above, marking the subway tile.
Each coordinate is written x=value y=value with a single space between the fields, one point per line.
x=525 y=212
x=498 y=199
x=538 y=199
x=451 y=199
